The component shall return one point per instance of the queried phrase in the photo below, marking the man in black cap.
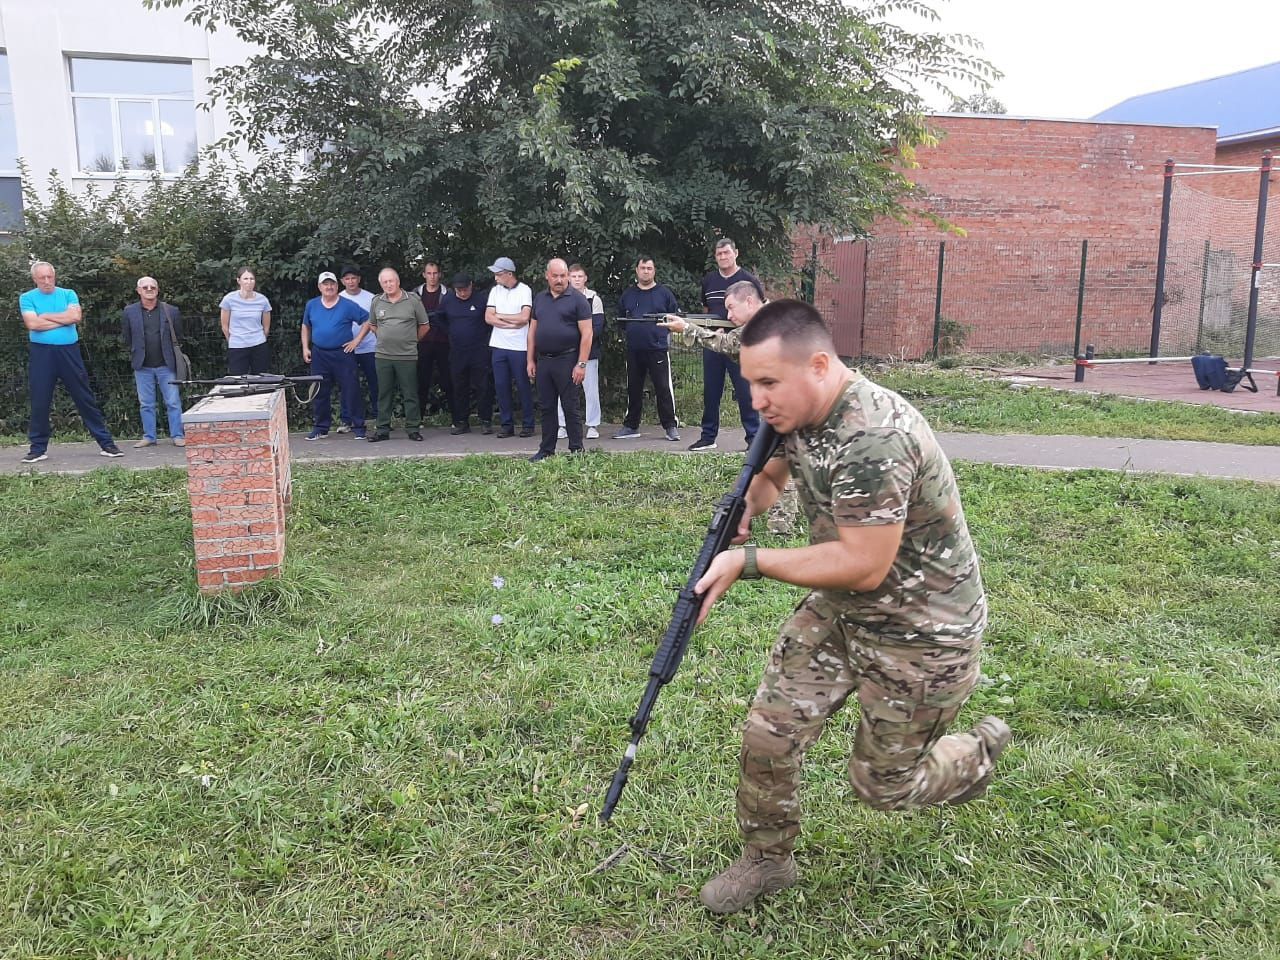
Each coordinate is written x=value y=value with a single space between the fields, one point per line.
x=470 y=366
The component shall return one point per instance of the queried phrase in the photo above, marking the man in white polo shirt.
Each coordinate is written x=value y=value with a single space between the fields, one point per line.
x=510 y=302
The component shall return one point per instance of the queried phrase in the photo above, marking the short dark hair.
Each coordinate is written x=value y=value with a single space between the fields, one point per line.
x=645 y=258
x=429 y=263
x=350 y=268
x=796 y=323
x=725 y=242
x=743 y=290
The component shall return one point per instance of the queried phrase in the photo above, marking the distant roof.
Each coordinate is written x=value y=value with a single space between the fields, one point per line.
x=1238 y=104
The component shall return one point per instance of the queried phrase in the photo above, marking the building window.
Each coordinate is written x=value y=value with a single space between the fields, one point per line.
x=133 y=115
x=10 y=180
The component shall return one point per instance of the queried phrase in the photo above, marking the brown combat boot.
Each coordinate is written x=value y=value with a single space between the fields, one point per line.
x=995 y=735
x=750 y=876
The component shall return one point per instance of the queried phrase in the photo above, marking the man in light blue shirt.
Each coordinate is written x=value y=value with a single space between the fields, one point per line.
x=51 y=314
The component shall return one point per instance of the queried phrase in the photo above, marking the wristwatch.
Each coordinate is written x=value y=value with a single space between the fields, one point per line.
x=749 y=569
x=582 y=364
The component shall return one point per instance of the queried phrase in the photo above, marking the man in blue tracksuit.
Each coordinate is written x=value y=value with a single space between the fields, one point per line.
x=471 y=368
x=328 y=346
x=647 y=350
x=716 y=366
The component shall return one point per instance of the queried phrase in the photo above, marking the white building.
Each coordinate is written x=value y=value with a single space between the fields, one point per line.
x=100 y=90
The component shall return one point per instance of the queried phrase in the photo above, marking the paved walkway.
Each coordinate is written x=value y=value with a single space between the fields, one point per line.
x=1046 y=452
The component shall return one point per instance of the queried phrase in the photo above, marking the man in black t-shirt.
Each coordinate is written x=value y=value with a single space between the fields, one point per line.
x=715 y=366
x=470 y=367
x=559 y=347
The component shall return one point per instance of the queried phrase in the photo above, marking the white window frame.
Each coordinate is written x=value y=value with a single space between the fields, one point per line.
x=11 y=173
x=114 y=100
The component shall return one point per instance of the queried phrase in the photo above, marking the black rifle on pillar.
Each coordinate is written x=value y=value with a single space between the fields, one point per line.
x=723 y=528
x=249 y=385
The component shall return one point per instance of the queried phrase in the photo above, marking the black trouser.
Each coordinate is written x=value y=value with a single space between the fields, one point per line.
x=249 y=360
x=555 y=382
x=433 y=368
x=471 y=370
x=656 y=365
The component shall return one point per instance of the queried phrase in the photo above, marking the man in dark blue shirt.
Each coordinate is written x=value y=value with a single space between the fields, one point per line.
x=647 y=351
x=559 y=347
x=328 y=346
x=470 y=366
x=716 y=366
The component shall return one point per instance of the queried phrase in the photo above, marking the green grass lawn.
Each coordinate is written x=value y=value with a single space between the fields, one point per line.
x=968 y=401
x=356 y=762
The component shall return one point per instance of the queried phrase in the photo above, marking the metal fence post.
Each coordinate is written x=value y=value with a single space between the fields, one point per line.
x=1204 y=289
x=1084 y=260
x=1162 y=259
x=1255 y=279
x=937 y=298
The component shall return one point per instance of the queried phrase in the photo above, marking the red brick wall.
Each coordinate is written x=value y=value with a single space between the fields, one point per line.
x=1243 y=186
x=1026 y=192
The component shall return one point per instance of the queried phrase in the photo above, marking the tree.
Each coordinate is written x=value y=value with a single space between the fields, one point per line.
x=593 y=129
x=977 y=103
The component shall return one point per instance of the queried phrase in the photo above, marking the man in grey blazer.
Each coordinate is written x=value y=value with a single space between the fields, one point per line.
x=152 y=329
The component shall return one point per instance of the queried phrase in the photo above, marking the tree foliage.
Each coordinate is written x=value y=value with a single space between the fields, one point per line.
x=980 y=102
x=592 y=129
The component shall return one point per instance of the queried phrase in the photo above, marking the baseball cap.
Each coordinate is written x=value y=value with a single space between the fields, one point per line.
x=327 y=275
x=501 y=264
x=461 y=280
x=351 y=270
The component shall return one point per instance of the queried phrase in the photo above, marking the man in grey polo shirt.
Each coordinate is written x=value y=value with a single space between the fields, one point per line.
x=400 y=321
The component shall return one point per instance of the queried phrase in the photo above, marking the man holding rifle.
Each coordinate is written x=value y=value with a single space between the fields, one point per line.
x=895 y=614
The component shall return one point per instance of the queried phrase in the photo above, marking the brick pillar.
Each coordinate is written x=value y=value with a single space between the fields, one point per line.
x=239 y=482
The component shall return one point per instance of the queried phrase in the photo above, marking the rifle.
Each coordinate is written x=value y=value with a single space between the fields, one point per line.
x=253 y=384
x=701 y=319
x=723 y=528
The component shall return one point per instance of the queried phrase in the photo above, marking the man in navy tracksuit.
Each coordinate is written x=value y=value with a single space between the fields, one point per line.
x=647 y=351
x=470 y=365
x=328 y=346
x=716 y=366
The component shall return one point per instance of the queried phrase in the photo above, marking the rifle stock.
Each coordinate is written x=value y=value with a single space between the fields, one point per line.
x=666 y=661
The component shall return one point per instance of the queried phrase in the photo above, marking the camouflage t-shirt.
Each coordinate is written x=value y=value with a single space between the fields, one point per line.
x=876 y=461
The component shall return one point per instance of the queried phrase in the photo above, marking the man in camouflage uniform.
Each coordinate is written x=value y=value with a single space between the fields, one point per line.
x=742 y=302
x=896 y=612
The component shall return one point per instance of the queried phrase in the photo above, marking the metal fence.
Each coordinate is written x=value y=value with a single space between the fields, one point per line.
x=913 y=299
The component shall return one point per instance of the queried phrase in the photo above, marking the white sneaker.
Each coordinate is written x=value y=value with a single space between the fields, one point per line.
x=593 y=433
x=562 y=433
x=343 y=428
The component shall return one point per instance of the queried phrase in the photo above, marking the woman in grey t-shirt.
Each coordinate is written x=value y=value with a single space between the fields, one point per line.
x=246 y=319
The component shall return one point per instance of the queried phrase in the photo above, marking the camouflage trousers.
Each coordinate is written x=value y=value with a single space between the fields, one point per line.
x=907 y=696
x=782 y=515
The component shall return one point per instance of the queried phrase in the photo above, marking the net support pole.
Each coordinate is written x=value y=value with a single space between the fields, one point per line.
x=1255 y=277
x=1084 y=261
x=937 y=298
x=1162 y=258
x=1204 y=289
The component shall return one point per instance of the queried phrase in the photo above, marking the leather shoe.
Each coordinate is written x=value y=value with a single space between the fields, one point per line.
x=378 y=437
x=488 y=428
x=540 y=456
x=506 y=433
x=415 y=436
x=526 y=432
x=459 y=429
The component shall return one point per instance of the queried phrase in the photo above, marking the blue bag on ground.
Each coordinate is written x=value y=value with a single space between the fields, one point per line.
x=1211 y=371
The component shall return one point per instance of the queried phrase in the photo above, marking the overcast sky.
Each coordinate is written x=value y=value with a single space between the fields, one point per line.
x=1075 y=59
